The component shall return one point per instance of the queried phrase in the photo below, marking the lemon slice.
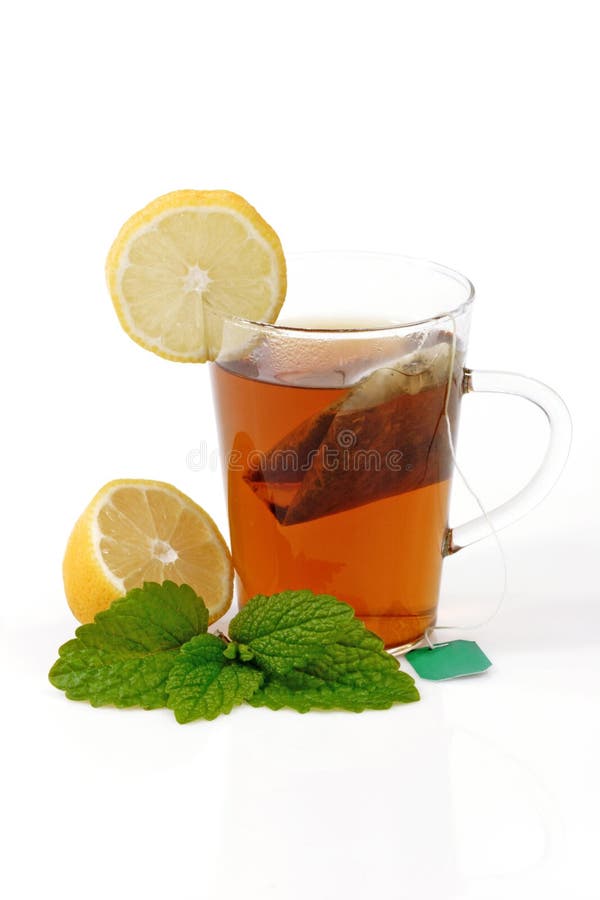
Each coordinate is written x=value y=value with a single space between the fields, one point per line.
x=135 y=531
x=187 y=259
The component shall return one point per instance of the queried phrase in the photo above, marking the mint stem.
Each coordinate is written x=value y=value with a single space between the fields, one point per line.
x=224 y=636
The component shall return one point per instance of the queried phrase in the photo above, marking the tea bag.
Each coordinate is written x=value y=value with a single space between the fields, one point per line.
x=385 y=437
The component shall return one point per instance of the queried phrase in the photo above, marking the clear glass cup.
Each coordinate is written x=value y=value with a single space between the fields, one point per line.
x=337 y=427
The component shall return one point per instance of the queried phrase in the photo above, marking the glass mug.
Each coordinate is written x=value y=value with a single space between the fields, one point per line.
x=335 y=427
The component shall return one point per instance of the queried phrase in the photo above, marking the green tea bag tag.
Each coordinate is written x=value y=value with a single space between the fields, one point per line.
x=451 y=660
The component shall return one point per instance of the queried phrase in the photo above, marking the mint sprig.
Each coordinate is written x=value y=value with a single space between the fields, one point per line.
x=295 y=649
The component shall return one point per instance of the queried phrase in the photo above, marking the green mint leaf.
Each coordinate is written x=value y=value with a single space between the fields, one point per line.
x=204 y=682
x=354 y=673
x=286 y=630
x=125 y=656
x=303 y=693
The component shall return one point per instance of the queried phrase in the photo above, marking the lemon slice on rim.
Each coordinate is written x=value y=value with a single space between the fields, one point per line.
x=188 y=251
x=135 y=531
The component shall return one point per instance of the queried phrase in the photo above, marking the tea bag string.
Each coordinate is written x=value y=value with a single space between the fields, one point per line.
x=483 y=510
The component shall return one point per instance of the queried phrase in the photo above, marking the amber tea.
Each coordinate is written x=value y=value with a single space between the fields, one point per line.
x=344 y=490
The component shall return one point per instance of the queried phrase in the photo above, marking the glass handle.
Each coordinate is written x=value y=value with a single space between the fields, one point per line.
x=552 y=464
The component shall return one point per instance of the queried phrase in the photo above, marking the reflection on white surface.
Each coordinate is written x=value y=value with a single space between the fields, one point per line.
x=505 y=824
x=331 y=804
x=402 y=803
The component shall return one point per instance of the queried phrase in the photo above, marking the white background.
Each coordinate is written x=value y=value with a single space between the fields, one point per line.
x=461 y=131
